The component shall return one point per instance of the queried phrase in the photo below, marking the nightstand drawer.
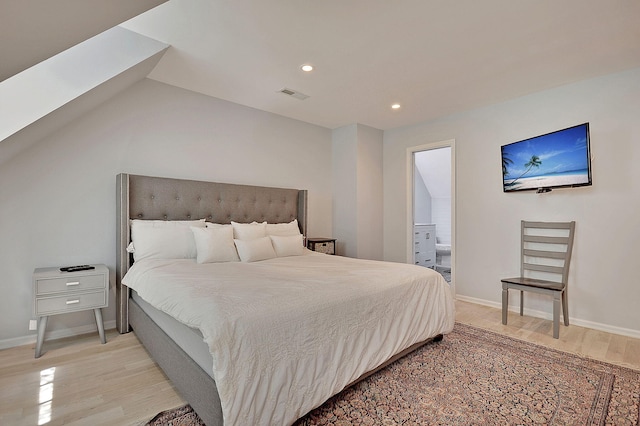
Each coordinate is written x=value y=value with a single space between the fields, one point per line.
x=69 y=283
x=71 y=302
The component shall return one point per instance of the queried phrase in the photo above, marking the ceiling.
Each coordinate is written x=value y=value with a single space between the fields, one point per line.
x=34 y=30
x=433 y=57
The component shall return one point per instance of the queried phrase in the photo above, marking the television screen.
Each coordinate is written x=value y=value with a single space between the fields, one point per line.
x=555 y=160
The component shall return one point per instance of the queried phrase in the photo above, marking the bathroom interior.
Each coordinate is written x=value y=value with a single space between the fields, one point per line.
x=432 y=209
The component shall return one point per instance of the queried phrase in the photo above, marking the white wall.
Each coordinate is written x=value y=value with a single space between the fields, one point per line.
x=441 y=213
x=603 y=288
x=57 y=197
x=357 y=183
x=345 y=183
x=369 y=197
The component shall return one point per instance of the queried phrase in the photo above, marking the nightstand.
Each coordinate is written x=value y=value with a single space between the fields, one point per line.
x=57 y=292
x=322 y=245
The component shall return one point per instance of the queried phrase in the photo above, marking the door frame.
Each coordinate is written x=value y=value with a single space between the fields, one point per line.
x=411 y=151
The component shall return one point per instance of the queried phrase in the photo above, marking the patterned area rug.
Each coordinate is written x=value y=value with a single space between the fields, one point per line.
x=182 y=416
x=479 y=377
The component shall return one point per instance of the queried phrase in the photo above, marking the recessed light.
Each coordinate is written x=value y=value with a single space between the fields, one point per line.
x=306 y=68
x=395 y=106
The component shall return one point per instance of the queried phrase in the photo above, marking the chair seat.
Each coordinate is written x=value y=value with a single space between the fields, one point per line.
x=532 y=282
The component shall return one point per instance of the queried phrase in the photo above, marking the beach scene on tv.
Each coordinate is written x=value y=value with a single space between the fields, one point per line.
x=556 y=159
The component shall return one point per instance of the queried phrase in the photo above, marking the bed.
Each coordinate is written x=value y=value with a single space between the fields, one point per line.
x=282 y=308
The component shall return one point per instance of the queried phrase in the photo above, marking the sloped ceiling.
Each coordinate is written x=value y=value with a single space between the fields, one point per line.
x=433 y=57
x=51 y=86
x=34 y=30
x=60 y=59
x=434 y=167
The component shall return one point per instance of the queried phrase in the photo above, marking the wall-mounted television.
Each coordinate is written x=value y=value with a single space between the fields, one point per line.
x=558 y=159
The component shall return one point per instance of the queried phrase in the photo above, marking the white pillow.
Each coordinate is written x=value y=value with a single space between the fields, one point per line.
x=163 y=239
x=290 y=245
x=215 y=244
x=218 y=225
x=249 y=231
x=283 y=229
x=256 y=249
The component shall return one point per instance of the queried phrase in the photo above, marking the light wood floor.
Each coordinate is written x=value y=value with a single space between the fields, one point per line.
x=612 y=348
x=78 y=381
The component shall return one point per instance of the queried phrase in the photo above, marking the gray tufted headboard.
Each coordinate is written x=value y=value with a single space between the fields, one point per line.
x=145 y=197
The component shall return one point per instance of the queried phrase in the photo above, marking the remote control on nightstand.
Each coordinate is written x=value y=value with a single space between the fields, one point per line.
x=77 y=268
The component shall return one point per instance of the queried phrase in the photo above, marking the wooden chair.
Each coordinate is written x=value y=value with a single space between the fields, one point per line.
x=544 y=268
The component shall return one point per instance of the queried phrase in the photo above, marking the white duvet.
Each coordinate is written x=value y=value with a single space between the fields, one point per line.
x=287 y=333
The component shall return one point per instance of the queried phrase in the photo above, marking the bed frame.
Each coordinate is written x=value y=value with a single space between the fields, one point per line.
x=153 y=198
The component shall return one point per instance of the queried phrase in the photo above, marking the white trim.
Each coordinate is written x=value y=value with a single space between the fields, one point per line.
x=410 y=181
x=56 y=334
x=548 y=316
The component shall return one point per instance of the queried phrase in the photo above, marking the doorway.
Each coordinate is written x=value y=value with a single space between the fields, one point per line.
x=432 y=207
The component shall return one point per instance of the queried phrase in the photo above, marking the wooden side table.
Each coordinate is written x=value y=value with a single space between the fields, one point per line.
x=322 y=245
x=57 y=292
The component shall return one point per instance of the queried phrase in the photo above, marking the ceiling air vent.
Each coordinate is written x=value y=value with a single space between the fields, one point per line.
x=293 y=93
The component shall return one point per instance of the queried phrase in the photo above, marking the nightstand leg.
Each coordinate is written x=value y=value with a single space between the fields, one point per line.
x=98 y=313
x=42 y=325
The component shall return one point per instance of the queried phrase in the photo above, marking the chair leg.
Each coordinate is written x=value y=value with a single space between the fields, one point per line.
x=565 y=308
x=505 y=304
x=556 y=315
x=521 y=303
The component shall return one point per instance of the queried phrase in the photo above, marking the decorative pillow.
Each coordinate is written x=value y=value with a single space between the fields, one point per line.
x=249 y=231
x=163 y=239
x=290 y=245
x=215 y=244
x=283 y=229
x=256 y=249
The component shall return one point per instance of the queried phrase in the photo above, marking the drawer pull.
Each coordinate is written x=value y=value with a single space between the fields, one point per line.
x=73 y=283
x=73 y=302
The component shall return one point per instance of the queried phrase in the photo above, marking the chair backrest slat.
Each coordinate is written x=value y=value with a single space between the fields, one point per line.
x=550 y=225
x=546 y=254
x=547 y=247
x=545 y=239
x=543 y=268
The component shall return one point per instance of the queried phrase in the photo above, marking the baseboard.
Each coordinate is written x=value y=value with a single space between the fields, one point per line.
x=55 y=334
x=548 y=316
